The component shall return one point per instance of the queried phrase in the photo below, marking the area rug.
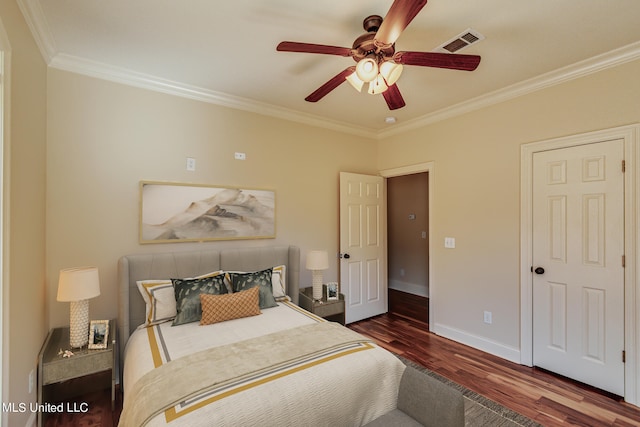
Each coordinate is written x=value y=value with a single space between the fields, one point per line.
x=478 y=410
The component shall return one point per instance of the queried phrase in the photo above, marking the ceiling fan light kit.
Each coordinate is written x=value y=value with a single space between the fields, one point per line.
x=377 y=61
x=367 y=69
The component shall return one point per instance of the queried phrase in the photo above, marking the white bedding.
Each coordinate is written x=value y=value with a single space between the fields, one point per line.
x=348 y=388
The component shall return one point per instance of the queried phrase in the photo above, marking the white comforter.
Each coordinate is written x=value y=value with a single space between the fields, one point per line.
x=346 y=389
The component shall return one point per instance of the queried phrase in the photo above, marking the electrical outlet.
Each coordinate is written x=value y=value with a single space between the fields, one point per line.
x=191 y=164
x=240 y=156
x=487 y=317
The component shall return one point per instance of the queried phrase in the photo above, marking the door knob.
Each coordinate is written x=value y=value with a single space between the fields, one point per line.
x=346 y=256
x=539 y=270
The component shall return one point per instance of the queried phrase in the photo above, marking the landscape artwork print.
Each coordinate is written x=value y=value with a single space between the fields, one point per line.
x=171 y=212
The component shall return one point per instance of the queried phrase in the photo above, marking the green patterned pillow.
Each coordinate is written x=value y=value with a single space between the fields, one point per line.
x=262 y=279
x=188 y=292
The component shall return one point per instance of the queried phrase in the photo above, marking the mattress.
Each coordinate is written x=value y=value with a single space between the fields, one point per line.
x=346 y=384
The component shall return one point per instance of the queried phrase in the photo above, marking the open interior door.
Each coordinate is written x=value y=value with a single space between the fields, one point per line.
x=363 y=247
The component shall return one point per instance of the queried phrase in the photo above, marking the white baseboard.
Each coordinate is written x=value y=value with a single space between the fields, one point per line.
x=410 y=288
x=511 y=354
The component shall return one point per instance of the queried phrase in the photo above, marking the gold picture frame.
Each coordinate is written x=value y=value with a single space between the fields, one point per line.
x=98 y=334
x=175 y=212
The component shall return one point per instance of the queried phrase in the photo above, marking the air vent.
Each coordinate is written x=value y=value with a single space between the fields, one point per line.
x=462 y=40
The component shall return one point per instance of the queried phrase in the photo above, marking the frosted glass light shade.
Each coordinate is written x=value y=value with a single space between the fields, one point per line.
x=377 y=86
x=355 y=82
x=367 y=69
x=391 y=72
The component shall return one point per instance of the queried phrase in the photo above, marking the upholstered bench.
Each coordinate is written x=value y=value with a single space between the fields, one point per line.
x=424 y=401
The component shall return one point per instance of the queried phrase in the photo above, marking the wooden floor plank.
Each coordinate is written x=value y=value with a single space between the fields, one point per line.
x=546 y=398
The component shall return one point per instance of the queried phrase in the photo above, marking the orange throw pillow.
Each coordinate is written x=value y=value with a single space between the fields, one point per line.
x=218 y=308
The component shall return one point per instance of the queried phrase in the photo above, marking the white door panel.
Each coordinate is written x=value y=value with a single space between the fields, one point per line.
x=362 y=245
x=578 y=239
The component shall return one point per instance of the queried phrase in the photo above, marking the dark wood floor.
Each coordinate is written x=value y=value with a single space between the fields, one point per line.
x=546 y=398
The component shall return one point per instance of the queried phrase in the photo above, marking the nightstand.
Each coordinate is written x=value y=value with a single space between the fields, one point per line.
x=331 y=310
x=53 y=368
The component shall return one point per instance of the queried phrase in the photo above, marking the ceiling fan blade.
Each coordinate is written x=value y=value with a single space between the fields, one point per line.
x=313 y=48
x=330 y=85
x=393 y=97
x=399 y=16
x=439 y=60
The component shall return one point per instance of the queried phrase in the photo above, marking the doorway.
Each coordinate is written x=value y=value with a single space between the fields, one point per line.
x=430 y=288
x=408 y=245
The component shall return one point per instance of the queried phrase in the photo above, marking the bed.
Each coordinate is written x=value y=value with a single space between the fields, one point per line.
x=283 y=366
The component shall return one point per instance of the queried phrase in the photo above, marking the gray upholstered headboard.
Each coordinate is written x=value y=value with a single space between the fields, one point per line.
x=131 y=268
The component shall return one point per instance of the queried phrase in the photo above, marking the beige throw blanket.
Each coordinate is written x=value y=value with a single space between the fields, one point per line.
x=189 y=376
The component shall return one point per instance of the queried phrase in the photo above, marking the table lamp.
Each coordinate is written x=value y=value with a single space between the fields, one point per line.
x=316 y=262
x=77 y=285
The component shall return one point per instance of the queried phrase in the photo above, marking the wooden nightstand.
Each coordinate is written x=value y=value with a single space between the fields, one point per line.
x=53 y=368
x=331 y=310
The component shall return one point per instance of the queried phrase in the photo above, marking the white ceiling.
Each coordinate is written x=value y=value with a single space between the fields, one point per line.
x=225 y=52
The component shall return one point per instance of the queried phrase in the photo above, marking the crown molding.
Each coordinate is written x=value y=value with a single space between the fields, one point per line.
x=35 y=18
x=132 y=78
x=37 y=23
x=589 y=66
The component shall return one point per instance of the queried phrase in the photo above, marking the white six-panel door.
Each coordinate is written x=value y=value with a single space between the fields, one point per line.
x=578 y=248
x=363 y=264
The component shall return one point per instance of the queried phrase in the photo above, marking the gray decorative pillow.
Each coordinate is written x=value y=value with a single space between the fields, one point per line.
x=188 y=292
x=262 y=279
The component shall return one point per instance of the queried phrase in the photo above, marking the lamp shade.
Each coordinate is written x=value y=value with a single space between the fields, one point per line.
x=77 y=284
x=317 y=260
x=355 y=81
x=367 y=69
x=377 y=86
x=391 y=72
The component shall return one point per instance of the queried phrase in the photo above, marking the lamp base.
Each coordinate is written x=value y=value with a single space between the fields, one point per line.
x=79 y=323
x=316 y=277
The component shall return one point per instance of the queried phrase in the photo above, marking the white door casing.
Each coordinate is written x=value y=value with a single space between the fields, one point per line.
x=578 y=247
x=363 y=263
x=630 y=134
x=428 y=167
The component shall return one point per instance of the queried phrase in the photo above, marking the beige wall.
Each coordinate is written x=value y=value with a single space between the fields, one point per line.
x=103 y=138
x=24 y=175
x=476 y=183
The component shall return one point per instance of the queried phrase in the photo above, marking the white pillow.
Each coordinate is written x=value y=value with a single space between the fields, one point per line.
x=279 y=282
x=160 y=299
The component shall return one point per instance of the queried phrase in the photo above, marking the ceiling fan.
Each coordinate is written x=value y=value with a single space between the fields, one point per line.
x=377 y=61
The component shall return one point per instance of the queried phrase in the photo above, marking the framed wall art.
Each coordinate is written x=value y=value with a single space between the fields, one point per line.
x=173 y=212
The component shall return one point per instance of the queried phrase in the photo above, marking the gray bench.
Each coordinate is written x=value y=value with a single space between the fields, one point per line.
x=424 y=401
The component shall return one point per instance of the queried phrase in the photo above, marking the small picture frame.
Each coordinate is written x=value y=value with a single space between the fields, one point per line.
x=98 y=334
x=332 y=291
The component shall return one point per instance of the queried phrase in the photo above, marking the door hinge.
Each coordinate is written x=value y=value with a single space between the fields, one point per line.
x=624 y=356
x=623 y=261
x=624 y=166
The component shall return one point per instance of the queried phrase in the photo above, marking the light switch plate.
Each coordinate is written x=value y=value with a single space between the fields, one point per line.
x=450 y=242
